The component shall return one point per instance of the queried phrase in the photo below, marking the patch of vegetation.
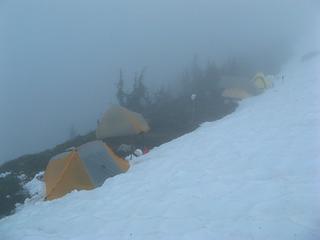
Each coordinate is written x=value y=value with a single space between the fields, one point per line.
x=11 y=193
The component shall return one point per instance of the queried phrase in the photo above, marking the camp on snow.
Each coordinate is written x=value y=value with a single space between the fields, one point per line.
x=89 y=165
x=85 y=167
x=237 y=88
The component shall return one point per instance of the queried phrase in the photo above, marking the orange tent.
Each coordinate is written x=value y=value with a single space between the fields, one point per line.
x=119 y=121
x=86 y=167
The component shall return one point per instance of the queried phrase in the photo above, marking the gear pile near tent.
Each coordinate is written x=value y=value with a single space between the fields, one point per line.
x=86 y=167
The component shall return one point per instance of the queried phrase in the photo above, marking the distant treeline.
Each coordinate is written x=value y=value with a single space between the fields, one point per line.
x=173 y=107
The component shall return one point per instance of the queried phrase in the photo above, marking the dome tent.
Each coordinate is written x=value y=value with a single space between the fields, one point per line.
x=261 y=83
x=85 y=167
x=119 y=121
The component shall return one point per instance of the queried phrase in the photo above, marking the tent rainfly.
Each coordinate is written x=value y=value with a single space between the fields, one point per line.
x=261 y=83
x=236 y=94
x=119 y=121
x=86 y=167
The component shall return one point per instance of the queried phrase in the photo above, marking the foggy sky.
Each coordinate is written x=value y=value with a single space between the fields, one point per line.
x=59 y=60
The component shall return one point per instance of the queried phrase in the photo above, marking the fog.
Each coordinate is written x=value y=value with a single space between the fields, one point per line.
x=59 y=60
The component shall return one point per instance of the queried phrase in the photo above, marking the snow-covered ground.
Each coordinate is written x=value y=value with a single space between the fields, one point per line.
x=4 y=174
x=35 y=188
x=252 y=175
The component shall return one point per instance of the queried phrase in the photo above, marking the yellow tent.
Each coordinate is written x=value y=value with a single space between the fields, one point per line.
x=261 y=82
x=86 y=167
x=119 y=121
x=235 y=94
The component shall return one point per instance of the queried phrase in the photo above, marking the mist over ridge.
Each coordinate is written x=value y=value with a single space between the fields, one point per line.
x=59 y=61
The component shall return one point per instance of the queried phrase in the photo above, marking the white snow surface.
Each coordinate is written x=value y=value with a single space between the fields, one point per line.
x=35 y=187
x=36 y=190
x=4 y=174
x=251 y=175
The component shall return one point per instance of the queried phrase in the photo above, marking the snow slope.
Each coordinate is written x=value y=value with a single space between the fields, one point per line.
x=252 y=175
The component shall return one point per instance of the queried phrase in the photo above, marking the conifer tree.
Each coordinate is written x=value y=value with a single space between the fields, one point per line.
x=121 y=95
x=138 y=99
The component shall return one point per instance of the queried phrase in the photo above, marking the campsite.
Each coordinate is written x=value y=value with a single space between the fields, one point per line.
x=66 y=171
x=159 y=120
